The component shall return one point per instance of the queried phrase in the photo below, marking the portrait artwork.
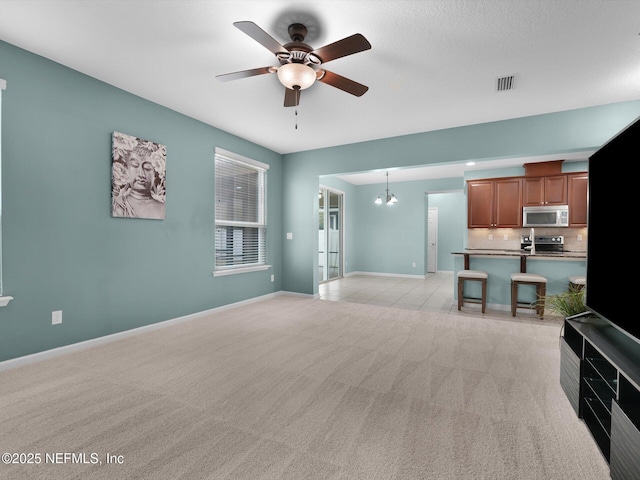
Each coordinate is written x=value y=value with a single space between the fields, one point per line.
x=138 y=177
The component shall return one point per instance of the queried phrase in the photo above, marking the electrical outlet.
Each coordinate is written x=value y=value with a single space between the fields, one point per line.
x=289 y=235
x=56 y=317
x=413 y=264
x=490 y=236
x=579 y=238
x=273 y=278
x=506 y=236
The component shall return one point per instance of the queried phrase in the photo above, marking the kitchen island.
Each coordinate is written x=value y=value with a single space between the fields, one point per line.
x=500 y=264
x=523 y=255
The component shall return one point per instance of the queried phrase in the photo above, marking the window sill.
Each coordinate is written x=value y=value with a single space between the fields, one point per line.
x=4 y=301
x=233 y=271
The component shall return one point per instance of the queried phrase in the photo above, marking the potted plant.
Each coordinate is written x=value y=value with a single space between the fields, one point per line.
x=566 y=304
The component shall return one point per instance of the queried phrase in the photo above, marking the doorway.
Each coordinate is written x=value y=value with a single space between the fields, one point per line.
x=330 y=227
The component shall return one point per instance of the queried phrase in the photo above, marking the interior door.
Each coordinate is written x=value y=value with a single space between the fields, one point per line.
x=432 y=240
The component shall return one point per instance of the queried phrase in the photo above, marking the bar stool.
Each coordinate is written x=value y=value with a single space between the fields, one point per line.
x=528 y=279
x=472 y=275
x=577 y=283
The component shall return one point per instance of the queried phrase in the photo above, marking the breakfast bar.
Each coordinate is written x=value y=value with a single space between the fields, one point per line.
x=565 y=255
x=499 y=264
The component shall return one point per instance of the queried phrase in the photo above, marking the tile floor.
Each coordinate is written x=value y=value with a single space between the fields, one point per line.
x=433 y=294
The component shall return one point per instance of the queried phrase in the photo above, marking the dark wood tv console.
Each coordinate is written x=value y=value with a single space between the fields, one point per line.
x=600 y=374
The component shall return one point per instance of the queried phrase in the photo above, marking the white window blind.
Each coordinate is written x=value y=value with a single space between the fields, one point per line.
x=240 y=213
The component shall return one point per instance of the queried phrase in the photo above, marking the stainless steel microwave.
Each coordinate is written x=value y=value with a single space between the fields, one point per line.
x=546 y=216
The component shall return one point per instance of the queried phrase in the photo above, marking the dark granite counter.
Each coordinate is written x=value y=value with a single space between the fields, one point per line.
x=519 y=253
x=524 y=256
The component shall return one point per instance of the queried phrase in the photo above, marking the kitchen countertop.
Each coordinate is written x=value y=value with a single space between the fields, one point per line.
x=577 y=254
x=524 y=256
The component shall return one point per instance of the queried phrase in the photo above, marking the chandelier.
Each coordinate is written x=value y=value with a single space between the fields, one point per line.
x=390 y=198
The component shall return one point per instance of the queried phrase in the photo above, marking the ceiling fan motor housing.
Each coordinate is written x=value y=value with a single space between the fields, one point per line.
x=300 y=56
x=299 y=52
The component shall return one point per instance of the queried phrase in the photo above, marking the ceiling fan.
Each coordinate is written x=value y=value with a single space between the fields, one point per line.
x=300 y=64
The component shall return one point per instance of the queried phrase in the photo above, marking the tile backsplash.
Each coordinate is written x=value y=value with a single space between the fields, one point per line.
x=575 y=239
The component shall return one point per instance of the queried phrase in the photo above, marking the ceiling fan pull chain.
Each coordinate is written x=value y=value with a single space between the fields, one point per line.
x=297 y=103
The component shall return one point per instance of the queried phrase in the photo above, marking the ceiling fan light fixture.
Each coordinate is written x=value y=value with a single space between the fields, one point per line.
x=299 y=75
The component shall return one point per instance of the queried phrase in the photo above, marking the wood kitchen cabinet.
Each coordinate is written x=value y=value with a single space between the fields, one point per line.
x=549 y=190
x=494 y=203
x=577 y=187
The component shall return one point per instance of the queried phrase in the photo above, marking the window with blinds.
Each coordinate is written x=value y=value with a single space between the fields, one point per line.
x=240 y=213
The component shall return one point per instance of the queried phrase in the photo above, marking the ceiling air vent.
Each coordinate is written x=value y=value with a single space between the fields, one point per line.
x=505 y=83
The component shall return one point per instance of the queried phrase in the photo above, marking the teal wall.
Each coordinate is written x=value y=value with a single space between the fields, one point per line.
x=62 y=250
x=390 y=239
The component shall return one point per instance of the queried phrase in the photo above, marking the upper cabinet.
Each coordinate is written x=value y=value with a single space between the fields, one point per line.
x=498 y=202
x=494 y=203
x=550 y=190
x=578 y=184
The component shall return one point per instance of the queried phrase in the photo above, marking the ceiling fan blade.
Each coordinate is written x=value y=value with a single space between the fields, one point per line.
x=347 y=46
x=262 y=37
x=225 y=77
x=291 y=97
x=343 y=83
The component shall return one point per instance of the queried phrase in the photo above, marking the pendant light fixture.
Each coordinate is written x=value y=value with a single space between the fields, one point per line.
x=390 y=199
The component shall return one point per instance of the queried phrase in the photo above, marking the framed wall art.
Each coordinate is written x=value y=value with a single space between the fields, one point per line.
x=138 y=178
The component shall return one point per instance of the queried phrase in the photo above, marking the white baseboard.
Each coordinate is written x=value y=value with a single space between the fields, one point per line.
x=297 y=294
x=400 y=275
x=376 y=274
x=74 y=347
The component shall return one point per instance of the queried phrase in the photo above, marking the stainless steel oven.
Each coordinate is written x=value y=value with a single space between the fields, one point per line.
x=542 y=243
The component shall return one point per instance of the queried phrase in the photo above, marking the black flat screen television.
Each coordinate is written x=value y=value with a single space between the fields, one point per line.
x=612 y=279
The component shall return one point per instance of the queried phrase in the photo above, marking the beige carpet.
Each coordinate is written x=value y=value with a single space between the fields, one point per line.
x=296 y=388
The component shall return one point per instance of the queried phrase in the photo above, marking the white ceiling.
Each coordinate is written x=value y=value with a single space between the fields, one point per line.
x=433 y=63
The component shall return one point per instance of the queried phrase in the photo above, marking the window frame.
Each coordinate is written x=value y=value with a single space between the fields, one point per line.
x=261 y=224
x=4 y=300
